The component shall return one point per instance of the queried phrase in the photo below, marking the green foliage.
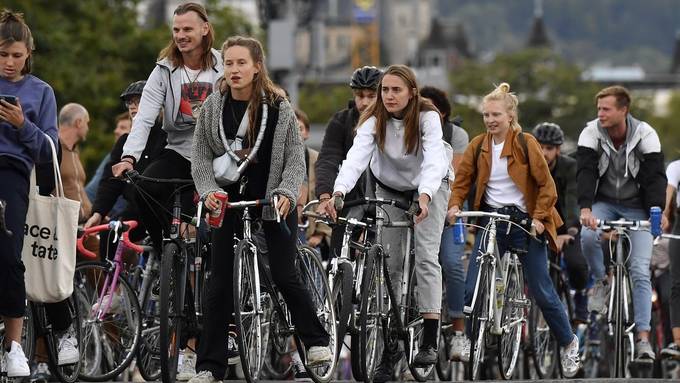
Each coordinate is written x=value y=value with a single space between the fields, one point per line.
x=320 y=102
x=89 y=51
x=667 y=128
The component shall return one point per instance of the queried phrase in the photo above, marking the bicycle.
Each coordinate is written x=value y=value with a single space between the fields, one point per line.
x=619 y=320
x=498 y=303
x=177 y=302
x=257 y=300
x=344 y=279
x=112 y=319
x=383 y=316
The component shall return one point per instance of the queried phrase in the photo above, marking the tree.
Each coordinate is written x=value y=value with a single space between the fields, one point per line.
x=89 y=51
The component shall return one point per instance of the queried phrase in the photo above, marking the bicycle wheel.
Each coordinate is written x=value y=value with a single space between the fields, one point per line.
x=413 y=323
x=356 y=357
x=108 y=342
x=277 y=364
x=148 y=354
x=313 y=276
x=512 y=320
x=444 y=366
x=171 y=321
x=544 y=344
x=342 y=299
x=479 y=319
x=66 y=373
x=370 y=319
x=247 y=311
x=623 y=340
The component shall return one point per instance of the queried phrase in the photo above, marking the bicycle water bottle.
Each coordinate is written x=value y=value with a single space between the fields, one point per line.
x=459 y=232
x=655 y=220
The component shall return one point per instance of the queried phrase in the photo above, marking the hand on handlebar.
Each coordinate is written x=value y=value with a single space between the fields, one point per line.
x=120 y=168
x=95 y=220
x=538 y=226
x=282 y=206
x=563 y=239
x=423 y=201
x=452 y=213
x=588 y=219
x=332 y=204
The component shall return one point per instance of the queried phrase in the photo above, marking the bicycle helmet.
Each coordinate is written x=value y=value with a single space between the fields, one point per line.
x=548 y=133
x=134 y=89
x=366 y=77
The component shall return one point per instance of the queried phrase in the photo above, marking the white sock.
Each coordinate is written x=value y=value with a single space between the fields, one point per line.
x=296 y=358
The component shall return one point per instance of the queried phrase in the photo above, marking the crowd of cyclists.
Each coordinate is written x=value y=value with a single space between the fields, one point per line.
x=394 y=140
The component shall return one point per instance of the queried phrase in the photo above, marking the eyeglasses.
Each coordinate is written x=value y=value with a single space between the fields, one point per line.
x=132 y=101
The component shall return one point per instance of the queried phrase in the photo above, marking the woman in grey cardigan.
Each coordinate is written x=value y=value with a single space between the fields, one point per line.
x=247 y=94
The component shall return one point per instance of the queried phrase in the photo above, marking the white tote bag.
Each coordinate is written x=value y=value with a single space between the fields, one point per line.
x=49 y=251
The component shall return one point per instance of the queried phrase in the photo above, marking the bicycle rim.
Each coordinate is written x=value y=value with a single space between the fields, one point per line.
x=544 y=344
x=114 y=338
x=276 y=358
x=248 y=320
x=171 y=310
x=67 y=373
x=371 y=326
x=342 y=298
x=148 y=354
x=413 y=323
x=513 y=311
x=313 y=276
x=479 y=319
x=443 y=365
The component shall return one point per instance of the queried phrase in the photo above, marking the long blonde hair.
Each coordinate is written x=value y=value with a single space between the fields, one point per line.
x=262 y=84
x=502 y=93
x=412 y=110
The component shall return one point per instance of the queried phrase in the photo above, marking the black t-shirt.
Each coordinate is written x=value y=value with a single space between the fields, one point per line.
x=258 y=172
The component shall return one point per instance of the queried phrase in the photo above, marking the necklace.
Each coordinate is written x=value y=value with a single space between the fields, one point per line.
x=192 y=83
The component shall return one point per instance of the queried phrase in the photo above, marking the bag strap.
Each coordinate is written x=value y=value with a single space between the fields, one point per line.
x=58 y=183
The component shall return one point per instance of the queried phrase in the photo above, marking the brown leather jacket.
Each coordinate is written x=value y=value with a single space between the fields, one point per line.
x=535 y=181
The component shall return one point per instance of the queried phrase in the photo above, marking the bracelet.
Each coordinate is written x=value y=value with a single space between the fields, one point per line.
x=324 y=199
x=128 y=160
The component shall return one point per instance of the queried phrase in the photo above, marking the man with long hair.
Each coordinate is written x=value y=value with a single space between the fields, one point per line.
x=184 y=76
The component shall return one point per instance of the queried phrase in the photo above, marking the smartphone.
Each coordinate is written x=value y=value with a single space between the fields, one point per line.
x=11 y=99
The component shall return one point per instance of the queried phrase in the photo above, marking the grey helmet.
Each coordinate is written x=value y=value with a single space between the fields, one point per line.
x=548 y=133
x=134 y=89
x=366 y=77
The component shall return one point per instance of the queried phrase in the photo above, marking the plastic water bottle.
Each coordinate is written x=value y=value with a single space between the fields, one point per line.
x=655 y=220
x=459 y=232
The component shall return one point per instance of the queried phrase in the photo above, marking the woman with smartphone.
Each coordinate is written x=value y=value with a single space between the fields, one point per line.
x=28 y=119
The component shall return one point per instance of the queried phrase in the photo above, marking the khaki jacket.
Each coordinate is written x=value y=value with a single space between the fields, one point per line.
x=535 y=181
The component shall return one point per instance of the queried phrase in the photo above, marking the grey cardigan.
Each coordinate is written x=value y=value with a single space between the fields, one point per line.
x=287 y=168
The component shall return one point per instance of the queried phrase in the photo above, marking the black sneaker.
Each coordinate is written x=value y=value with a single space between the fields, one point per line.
x=672 y=351
x=300 y=373
x=426 y=356
x=384 y=372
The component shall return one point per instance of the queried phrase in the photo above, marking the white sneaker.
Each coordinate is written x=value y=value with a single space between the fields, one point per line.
x=465 y=354
x=187 y=368
x=571 y=361
x=116 y=306
x=317 y=355
x=16 y=363
x=204 y=377
x=457 y=346
x=68 y=349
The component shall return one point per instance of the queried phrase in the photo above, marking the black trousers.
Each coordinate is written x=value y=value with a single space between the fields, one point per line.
x=674 y=255
x=155 y=200
x=219 y=304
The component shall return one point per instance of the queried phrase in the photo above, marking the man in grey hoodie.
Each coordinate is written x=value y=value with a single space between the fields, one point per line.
x=620 y=175
x=184 y=76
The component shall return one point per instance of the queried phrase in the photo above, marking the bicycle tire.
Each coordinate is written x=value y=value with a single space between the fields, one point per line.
x=276 y=365
x=342 y=298
x=371 y=309
x=509 y=343
x=356 y=358
x=247 y=301
x=171 y=321
x=622 y=346
x=543 y=343
x=314 y=278
x=89 y=277
x=479 y=319
x=66 y=373
x=443 y=365
x=413 y=338
x=148 y=353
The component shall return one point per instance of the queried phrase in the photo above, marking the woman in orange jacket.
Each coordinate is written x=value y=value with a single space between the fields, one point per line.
x=513 y=178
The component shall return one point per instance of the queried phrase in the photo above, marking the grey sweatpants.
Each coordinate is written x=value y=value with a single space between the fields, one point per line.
x=427 y=238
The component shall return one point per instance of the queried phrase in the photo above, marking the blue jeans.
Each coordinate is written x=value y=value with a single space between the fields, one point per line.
x=450 y=255
x=535 y=270
x=641 y=256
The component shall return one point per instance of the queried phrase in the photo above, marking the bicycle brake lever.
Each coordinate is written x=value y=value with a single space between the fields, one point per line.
x=115 y=230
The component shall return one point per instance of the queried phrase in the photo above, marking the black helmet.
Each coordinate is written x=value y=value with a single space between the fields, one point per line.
x=134 y=89
x=548 y=133
x=366 y=77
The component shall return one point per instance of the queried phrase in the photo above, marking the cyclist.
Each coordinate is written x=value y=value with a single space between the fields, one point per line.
x=673 y=174
x=183 y=77
x=620 y=175
x=563 y=171
x=400 y=138
x=338 y=140
x=510 y=183
x=25 y=128
x=450 y=253
x=247 y=96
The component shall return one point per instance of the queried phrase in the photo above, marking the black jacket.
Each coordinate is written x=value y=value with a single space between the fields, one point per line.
x=337 y=141
x=111 y=188
x=564 y=175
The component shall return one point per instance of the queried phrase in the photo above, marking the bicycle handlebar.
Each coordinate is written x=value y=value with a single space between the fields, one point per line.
x=113 y=225
x=475 y=214
x=327 y=220
x=378 y=201
x=632 y=225
x=134 y=176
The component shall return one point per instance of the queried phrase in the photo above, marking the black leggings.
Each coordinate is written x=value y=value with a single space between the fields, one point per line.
x=212 y=350
x=155 y=217
x=674 y=255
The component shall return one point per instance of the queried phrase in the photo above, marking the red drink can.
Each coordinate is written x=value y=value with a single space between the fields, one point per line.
x=216 y=216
